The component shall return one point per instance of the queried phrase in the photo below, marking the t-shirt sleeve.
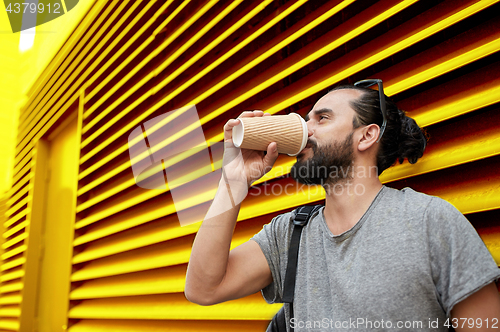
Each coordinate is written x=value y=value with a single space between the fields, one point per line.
x=460 y=262
x=272 y=240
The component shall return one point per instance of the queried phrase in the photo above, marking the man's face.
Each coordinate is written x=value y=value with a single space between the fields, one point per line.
x=329 y=153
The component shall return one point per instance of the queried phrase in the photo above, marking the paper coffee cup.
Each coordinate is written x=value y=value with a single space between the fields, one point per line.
x=288 y=131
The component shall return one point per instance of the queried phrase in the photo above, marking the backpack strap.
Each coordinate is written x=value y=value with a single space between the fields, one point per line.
x=300 y=218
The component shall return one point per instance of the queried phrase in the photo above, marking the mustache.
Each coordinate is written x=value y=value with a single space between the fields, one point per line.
x=312 y=144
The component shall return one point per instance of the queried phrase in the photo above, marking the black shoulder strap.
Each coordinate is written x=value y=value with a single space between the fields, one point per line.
x=302 y=215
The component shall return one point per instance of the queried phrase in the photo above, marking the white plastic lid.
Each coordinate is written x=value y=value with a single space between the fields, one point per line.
x=238 y=133
x=304 y=134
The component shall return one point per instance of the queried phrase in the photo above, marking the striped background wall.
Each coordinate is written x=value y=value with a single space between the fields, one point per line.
x=130 y=61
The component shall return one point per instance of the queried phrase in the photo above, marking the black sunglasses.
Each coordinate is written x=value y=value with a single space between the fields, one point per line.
x=381 y=97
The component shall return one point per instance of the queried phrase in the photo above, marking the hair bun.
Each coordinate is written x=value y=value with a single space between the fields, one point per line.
x=412 y=140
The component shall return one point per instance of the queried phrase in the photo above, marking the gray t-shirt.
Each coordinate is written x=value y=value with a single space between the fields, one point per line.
x=403 y=266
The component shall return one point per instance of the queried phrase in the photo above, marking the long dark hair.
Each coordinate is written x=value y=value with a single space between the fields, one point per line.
x=402 y=139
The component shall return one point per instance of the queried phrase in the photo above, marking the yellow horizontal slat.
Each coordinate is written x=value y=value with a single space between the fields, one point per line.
x=182 y=88
x=113 y=209
x=477 y=147
x=128 y=325
x=15 y=229
x=12 y=264
x=16 y=207
x=10 y=312
x=22 y=165
x=281 y=167
x=17 y=217
x=11 y=287
x=483 y=195
x=156 y=232
x=160 y=231
x=15 y=274
x=173 y=306
x=21 y=193
x=14 y=252
x=225 y=34
x=442 y=64
x=10 y=299
x=17 y=239
x=171 y=253
x=107 y=194
x=9 y=324
x=177 y=10
x=478 y=96
x=160 y=281
x=125 y=221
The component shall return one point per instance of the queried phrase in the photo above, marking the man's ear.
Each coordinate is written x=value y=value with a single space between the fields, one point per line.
x=369 y=136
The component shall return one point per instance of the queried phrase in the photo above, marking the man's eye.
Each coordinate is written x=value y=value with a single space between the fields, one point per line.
x=321 y=117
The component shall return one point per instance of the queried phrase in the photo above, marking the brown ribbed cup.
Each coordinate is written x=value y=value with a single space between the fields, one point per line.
x=288 y=131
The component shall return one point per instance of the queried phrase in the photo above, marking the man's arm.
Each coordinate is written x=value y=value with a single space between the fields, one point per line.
x=483 y=306
x=214 y=273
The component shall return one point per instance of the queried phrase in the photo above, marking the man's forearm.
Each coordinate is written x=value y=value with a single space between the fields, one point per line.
x=210 y=252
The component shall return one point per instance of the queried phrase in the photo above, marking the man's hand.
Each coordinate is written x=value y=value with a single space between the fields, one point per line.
x=243 y=165
x=481 y=308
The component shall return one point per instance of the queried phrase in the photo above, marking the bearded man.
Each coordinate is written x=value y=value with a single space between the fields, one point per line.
x=377 y=258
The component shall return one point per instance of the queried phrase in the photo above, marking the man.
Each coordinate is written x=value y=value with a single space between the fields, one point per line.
x=372 y=258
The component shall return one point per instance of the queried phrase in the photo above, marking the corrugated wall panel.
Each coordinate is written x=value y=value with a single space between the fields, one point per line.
x=132 y=61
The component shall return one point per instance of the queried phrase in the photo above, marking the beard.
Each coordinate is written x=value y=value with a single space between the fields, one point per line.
x=329 y=164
